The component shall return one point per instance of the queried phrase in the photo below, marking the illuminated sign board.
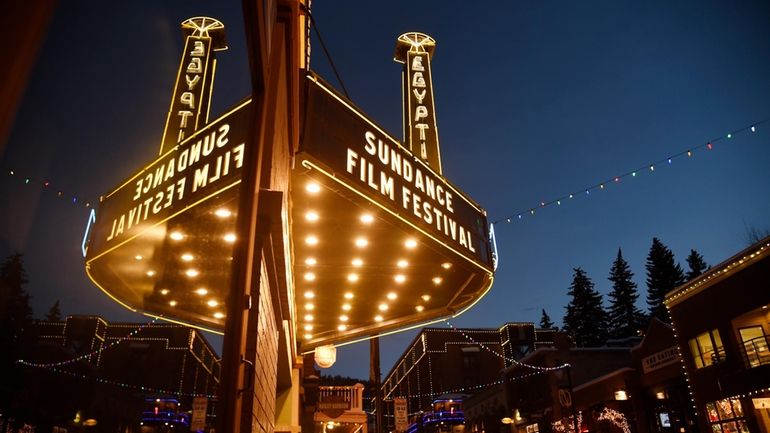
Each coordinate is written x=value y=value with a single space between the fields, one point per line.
x=355 y=149
x=381 y=241
x=414 y=50
x=155 y=239
x=195 y=79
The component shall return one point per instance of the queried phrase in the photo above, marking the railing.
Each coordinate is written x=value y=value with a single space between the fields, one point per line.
x=353 y=395
x=456 y=416
x=756 y=351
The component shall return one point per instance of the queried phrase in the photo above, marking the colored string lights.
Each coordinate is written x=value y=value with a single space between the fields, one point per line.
x=148 y=389
x=647 y=168
x=616 y=418
x=46 y=185
x=499 y=355
x=89 y=354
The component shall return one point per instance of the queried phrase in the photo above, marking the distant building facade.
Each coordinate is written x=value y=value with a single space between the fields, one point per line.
x=722 y=322
x=125 y=368
x=446 y=361
x=633 y=389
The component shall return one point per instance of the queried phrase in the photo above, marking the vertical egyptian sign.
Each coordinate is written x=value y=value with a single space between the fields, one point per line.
x=414 y=50
x=192 y=92
x=198 y=421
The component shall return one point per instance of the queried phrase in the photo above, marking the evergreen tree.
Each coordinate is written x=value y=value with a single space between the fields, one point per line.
x=697 y=265
x=545 y=321
x=585 y=320
x=624 y=318
x=663 y=275
x=54 y=314
x=17 y=314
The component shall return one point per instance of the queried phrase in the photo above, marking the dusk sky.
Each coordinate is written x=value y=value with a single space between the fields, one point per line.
x=534 y=100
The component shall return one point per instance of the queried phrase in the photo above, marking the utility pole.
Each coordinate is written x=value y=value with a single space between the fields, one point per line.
x=374 y=378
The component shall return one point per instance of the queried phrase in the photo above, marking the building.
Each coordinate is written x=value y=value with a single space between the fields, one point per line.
x=722 y=322
x=124 y=373
x=639 y=387
x=443 y=361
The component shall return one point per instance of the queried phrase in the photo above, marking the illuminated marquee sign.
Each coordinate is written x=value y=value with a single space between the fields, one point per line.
x=414 y=50
x=195 y=79
x=162 y=242
x=355 y=149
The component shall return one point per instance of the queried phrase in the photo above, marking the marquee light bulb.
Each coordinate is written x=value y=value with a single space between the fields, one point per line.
x=352 y=277
x=164 y=291
x=202 y=291
x=400 y=278
x=437 y=280
x=308 y=327
x=310 y=261
x=410 y=243
x=392 y=296
x=446 y=265
x=192 y=273
x=312 y=187
x=138 y=257
x=343 y=318
x=311 y=240
x=309 y=306
x=349 y=295
x=308 y=336
x=212 y=303
x=309 y=276
x=367 y=218
x=357 y=262
x=172 y=303
x=361 y=242
x=383 y=307
x=223 y=212
x=187 y=257
x=219 y=315
x=177 y=236
x=426 y=298
x=311 y=216
x=378 y=318
x=230 y=238
x=150 y=273
x=342 y=327
x=419 y=308
x=402 y=263
x=346 y=307
x=308 y=317
x=309 y=295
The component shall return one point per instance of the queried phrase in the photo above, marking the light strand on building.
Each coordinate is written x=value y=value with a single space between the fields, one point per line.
x=647 y=168
x=148 y=389
x=46 y=185
x=616 y=418
x=499 y=355
x=86 y=355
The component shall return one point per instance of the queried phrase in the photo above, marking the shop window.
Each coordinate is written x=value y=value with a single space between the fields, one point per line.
x=755 y=346
x=707 y=349
x=726 y=416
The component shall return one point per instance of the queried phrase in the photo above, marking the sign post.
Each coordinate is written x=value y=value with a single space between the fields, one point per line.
x=198 y=421
x=399 y=411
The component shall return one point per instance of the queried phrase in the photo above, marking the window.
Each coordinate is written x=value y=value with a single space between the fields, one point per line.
x=726 y=416
x=707 y=349
x=755 y=345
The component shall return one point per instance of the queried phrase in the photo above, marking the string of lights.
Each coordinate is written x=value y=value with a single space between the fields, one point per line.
x=500 y=355
x=89 y=354
x=647 y=168
x=47 y=186
x=148 y=389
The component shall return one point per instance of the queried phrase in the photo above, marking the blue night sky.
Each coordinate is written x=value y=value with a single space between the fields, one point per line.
x=534 y=100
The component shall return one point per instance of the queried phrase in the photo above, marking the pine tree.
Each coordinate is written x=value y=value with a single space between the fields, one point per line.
x=663 y=275
x=17 y=314
x=54 y=314
x=545 y=321
x=697 y=265
x=585 y=320
x=623 y=317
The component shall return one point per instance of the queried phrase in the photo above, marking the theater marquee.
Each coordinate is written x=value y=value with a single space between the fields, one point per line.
x=382 y=241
